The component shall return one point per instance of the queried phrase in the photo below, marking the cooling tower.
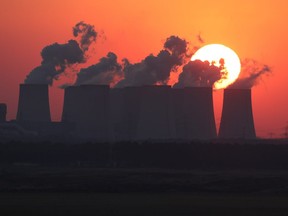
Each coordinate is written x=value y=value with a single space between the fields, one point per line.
x=3 y=112
x=132 y=98
x=88 y=107
x=155 y=114
x=194 y=113
x=71 y=108
x=237 y=117
x=116 y=113
x=33 y=104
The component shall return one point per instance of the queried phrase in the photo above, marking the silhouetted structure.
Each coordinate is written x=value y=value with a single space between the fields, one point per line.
x=237 y=117
x=132 y=100
x=71 y=108
x=194 y=113
x=3 y=112
x=156 y=114
x=88 y=107
x=116 y=113
x=33 y=104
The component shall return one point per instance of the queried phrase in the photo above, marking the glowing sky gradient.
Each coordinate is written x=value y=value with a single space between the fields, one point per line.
x=133 y=29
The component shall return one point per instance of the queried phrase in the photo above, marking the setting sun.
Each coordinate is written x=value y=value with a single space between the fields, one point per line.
x=214 y=53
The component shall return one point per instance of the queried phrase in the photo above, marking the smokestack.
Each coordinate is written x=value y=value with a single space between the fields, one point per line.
x=156 y=116
x=194 y=113
x=33 y=105
x=3 y=112
x=237 y=116
x=88 y=107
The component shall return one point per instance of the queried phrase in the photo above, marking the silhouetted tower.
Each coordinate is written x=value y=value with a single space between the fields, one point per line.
x=116 y=113
x=33 y=104
x=3 y=112
x=71 y=108
x=194 y=113
x=88 y=107
x=156 y=115
x=132 y=100
x=237 y=116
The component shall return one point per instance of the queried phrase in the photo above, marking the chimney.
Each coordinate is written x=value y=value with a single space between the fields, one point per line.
x=88 y=107
x=194 y=113
x=3 y=112
x=237 y=116
x=155 y=114
x=33 y=104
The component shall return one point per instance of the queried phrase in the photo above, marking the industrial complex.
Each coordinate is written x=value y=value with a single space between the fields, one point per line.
x=98 y=112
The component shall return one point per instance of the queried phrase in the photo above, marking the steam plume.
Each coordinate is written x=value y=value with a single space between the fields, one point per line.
x=155 y=69
x=251 y=73
x=86 y=33
x=199 y=74
x=57 y=57
x=106 y=72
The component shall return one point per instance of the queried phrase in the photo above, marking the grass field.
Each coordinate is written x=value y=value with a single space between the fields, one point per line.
x=176 y=204
x=39 y=190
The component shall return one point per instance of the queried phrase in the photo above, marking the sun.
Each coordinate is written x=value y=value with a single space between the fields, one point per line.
x=213 y=53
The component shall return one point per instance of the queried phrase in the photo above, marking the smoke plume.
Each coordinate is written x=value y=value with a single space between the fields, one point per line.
x=199 y=74
x=106 y=72
x=251 y=73
x=155 y=69
x=86 y=33
x=57 y=57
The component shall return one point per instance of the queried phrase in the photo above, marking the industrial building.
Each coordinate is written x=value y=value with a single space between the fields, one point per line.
x=96 y=112
x=3 y=112
x=194 y=113
x=33 y=104
x=237 y=116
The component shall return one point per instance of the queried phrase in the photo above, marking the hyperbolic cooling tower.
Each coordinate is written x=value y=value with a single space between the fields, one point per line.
x=237 y=117
x=155 y=114
x=3 y=112
x=116 y=113
x=33 y=104
x=88 y=107
x=132 y=100
x=194 y=113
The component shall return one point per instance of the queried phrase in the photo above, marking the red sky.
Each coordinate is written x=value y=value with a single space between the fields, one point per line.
x=134 y=29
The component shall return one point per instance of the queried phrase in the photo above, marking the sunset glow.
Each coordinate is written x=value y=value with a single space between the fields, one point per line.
x=214 y=53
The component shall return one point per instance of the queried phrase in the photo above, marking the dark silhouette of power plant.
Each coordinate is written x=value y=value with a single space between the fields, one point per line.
x=87 y=106
x=3 y=112
x=33 y=104
x=194 y=113
x=96 y=112
x=237 y=116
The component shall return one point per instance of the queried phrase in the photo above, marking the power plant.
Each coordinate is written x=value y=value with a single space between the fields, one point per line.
x=237 y=116
x=3 y=112
x=87 y=106
x=96 y=112
x=155 y=116
x=194 y=113
x=33 y=104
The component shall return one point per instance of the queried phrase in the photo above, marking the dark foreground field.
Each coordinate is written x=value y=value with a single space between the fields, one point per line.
x=144 y=179
x=140 y=204
x=37 y=190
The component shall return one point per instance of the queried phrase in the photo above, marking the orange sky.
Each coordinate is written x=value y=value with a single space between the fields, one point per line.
x=134 y=29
